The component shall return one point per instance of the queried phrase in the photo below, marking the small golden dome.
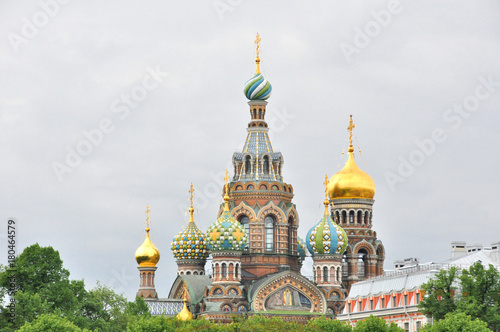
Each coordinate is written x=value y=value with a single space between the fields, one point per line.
x=147 y=254
x=351 y=181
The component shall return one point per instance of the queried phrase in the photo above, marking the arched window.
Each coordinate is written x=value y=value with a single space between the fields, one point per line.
x=360 y=217
x=237 y=271
x=260 y=113
x=188 y=272
x=362 y=263
x=351 y=217
x=290 y=236
x=325 y=274
x=248 y=165
x=224 y=270
x=266 y=165
x=269 y=227
x=246 y=224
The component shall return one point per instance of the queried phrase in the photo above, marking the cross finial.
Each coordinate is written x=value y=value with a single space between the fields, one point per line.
x=326 y=186
x=257 y=59
x=226 y=192
x=350 y=128
x=257 y=41
x=147 y=215
x=226 y=177
x=191 y=191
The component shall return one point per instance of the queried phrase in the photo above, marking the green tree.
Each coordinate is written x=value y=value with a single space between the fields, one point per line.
x=43 y=287
x=323 y=324
x=50 y=323
x=457 y=322
x=439 y=294
x=374 y=324
x=480 y=294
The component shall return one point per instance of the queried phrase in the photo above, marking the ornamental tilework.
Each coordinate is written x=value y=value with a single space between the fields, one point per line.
x=326 y=237
x=169 y=308
x=190 y=243
x=226 y=234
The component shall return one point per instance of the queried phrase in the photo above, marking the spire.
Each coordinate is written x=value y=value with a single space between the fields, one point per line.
x=257 y=59
x=185 y=314
x=350 y=128
x=191 y=208
x=226 y=193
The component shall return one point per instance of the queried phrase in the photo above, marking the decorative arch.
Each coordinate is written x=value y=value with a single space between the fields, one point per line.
x=289 y=281
x=232 y=289
x=250 y=186
x=226 y=306
x=243 y=209
x=277 y=184
x=364 y=245
x=217 y=290
x=270 y=208
x=380 y=250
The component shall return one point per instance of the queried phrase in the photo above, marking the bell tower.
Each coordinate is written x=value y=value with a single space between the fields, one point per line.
x=351 y=193
x=259 y=198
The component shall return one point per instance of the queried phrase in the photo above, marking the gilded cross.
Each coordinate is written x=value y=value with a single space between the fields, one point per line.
x=326 y=185
x=191 y=191
x=257 y=41
x=147 y=215
x=226 y=178
x=350 y=128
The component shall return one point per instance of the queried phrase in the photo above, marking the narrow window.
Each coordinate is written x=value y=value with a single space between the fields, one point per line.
x=246 y=224
x=325 y=274
x=266 y=165
x=406 y=299
x=371 y=304
x=417 y=298
x=269 y=226
x=349 y=307
x=407 y=327
x=224 y=270
x=393 y=301
x=419 y=325
x=247 y=165
x=382 y=302
x=360 y=306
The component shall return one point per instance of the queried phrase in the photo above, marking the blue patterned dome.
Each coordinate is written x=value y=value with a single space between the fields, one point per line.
x=301 y=248
x=326 y=237
x=190 y=243
x=257 y=88
x=226 y=233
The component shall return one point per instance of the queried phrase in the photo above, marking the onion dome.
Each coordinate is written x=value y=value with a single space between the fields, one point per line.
x=258 y=87
x=226 y=233
x=301 y=248
x=147 y=255
x=326 y=237
x=190 y=243
x=351 y=181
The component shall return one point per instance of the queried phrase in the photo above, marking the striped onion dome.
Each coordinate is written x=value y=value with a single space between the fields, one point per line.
x=257 y=88
x=326 y=237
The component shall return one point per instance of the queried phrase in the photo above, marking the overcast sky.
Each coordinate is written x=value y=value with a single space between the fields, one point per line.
x=105 y=107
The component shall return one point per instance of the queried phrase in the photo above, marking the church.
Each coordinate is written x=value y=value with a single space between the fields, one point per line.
x=256 y=254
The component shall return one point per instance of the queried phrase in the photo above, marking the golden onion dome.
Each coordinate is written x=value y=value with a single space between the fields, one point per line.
x=351 y=181
x=147 y=254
